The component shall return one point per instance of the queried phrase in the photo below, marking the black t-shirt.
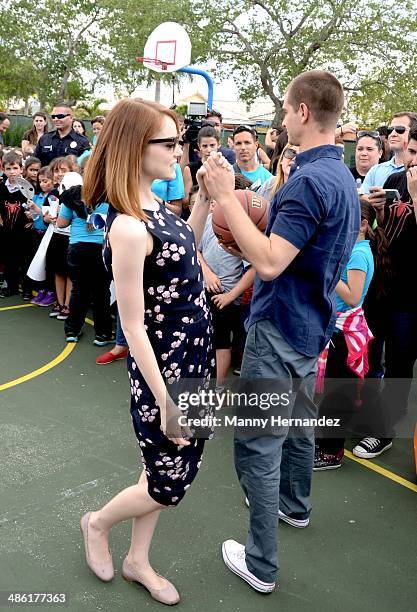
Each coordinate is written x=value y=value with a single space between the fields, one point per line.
x=356 y=174
x=11 y=212
x=194 y=167
x=401 y=231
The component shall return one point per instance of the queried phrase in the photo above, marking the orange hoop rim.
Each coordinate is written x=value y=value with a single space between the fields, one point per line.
x=153 y=60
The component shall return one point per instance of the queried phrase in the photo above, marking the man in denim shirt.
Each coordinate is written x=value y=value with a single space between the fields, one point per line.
x=313 y=224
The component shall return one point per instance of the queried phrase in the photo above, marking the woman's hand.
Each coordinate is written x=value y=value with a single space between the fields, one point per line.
x=170 y=424
x=200 y=180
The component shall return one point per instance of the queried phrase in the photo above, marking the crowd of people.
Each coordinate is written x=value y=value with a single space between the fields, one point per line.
x=323 y=296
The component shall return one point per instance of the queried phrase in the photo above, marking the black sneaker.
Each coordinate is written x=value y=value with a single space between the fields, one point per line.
x=103 y=340
x=325 y=461
x=369 y=448
x=27 y=296
x=6 y=292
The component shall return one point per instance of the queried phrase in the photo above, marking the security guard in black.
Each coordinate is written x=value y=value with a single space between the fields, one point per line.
x=63 y=140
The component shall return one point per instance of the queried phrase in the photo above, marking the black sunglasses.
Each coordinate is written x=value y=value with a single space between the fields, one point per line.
x=171 y=142
x=60 y=115
x=289 y=153
x=400 y=129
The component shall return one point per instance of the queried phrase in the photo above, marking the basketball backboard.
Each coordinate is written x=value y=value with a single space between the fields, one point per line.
x=167 y=49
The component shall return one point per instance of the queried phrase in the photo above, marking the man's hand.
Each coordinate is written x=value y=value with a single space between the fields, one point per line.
x=412 y=183
x=219 y=177
x=377 y=198
x=212 y=281
x=222 y=299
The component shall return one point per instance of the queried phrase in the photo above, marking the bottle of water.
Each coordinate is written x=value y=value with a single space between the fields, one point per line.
x=35 y=216
x=358 y=183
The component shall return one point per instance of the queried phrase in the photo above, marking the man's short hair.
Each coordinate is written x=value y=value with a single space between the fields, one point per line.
x=207 y=131
x=213 y=113
x=62 y=104
x=321 y=92
x=245 y=128
x=3 y=116
x=412 y=117
x=12 y=158
x=412 y=135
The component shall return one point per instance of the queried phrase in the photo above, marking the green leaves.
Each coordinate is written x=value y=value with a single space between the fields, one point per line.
x=73 y=47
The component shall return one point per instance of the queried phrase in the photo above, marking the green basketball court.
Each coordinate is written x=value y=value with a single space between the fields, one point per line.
x=67 y=446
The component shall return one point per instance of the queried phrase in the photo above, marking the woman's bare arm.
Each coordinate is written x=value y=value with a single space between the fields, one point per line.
x=130 y=243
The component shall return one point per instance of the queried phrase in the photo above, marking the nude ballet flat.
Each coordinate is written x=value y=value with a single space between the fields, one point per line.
x=168 y=595
x=104 y=571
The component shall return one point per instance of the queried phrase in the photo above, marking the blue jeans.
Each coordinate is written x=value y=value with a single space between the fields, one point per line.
x=275 y=471
x=120 y=337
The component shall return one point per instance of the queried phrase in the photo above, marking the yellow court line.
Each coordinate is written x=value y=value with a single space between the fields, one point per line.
x=16 y=307
x=48 y=366
x=384 y=472
x=70 y=347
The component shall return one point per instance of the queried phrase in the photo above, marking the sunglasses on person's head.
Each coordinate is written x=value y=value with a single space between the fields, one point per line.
x=60 y=115
x=169 y=142
x=245 y=128
x=371 y=133
x=400 y=129
x=289 y=153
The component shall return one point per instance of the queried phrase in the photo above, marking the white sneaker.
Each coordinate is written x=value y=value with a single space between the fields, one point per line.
x=234 y=557
x=299 y=523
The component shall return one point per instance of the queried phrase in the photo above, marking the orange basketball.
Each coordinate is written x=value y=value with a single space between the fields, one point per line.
x=254 y=205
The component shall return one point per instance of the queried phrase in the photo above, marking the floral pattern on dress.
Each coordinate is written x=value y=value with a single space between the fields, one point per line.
x=178 y=324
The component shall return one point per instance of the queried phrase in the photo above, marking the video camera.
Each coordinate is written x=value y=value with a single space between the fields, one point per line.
x=194 y=121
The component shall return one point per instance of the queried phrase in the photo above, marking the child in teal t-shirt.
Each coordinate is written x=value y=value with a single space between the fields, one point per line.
x=90 y=281
x=341 y=398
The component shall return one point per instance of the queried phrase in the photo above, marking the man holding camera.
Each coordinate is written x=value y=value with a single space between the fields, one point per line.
x=398 y=218
x=189 y=135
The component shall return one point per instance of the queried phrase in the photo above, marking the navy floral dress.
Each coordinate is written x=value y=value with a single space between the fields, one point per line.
x=178 y=325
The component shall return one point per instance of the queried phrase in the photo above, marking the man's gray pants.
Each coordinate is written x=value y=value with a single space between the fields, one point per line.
x=275 y=471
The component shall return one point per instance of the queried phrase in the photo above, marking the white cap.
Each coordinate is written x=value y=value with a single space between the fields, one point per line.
x=71 y=179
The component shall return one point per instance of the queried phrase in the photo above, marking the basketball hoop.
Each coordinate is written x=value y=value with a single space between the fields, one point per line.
x=167 y=49
x=153 y=61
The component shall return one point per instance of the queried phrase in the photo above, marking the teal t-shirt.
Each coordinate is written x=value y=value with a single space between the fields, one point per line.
x=260 y=173
x=79 y=230
x=39 y=200
x=170 y=190
x=362 y=259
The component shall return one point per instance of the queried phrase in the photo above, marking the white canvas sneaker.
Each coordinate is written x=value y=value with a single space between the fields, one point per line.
x=234 y=558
